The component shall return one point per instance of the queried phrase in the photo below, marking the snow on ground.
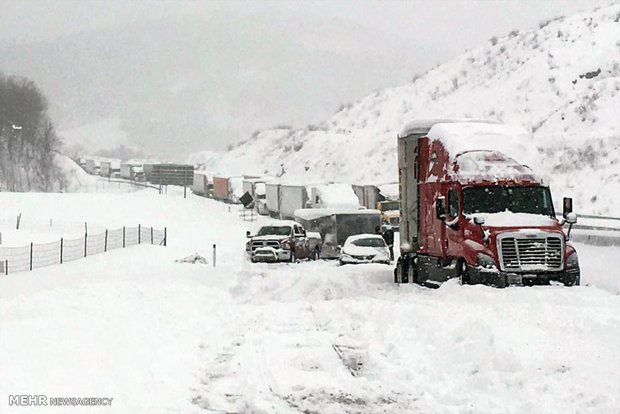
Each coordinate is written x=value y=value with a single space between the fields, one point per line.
x=166 y=337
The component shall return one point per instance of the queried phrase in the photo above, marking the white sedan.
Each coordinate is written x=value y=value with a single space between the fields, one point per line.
x=364 y=248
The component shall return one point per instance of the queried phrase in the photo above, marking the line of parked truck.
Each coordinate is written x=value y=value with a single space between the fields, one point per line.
x=466 y=209
x=463 y=208
x=114 y=168
x=331 y=211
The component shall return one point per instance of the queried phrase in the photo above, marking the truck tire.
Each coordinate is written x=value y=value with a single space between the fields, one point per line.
x=501 y=282
x=463 y=273
x=407 y=272
x=572 y=282
x=401 y=272
x=398 y=271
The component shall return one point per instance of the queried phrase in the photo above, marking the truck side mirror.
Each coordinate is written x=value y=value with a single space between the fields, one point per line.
x=247 y=234
x=440 y=208
x=567 y=206
x=570 y=218
x=479 y=220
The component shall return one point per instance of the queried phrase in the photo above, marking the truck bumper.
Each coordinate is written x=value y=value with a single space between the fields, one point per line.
x=568 y=277
x=270 y=255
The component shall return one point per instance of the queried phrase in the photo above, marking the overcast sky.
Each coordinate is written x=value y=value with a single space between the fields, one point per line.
x=281 y=62
x=466 y=21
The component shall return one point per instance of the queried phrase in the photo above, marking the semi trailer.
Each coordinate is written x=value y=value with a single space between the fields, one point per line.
x=469 y=211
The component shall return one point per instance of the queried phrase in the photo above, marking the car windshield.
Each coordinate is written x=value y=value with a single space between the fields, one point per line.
x=389 y=205
x=495 y=199
x=371 y=242
x=275 y=231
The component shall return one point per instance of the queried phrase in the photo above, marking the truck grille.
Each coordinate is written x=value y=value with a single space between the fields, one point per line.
x=522 y=253
x=261 y=243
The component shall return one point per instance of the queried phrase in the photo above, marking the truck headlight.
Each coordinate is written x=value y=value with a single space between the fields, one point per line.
x=572 y=261
x=485 y=261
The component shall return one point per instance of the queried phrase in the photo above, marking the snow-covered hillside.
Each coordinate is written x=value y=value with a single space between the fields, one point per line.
x=562 y=82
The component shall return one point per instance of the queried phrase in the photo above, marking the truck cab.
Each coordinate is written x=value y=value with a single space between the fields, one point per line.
x=390 y=213
x=470 y=211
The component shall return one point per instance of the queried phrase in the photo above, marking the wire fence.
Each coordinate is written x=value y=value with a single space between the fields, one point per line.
x=36 y=255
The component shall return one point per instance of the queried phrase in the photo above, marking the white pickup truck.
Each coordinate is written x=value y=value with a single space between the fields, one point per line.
x=283 y=241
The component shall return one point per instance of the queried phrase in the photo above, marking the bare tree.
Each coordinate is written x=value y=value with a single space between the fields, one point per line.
x=28 y=142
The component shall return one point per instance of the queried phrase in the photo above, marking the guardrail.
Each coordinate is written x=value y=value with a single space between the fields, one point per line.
x=36 y=255
x=130 y=182
x=594 y=234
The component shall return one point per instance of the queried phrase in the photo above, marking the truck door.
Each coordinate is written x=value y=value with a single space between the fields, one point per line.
x=454 y=233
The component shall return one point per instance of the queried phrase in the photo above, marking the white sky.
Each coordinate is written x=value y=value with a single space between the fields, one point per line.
x=465 y=21
x=439 y=30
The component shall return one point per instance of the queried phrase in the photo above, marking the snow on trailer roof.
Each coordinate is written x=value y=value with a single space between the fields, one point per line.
x=459 y=137
x=481 y=150
x=390 y=191
x=336 y=195
x=423 y=126
x=315 y=213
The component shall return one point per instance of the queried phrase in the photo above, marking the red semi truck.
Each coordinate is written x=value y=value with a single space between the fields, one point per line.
x=470 y=211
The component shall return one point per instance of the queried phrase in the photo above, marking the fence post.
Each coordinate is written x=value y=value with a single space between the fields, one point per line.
x=19 y=218
x=85 y=241
x=31 y=246
x=139 y=233
x=6 y=267
x=61 y=248
x=151 y=234
x=105 y=243
x=85 y=227
x=165 y=236
x=123 y=236
x=214 y=254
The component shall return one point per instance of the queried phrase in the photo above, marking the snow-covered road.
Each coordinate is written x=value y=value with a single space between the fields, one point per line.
x=163 y=337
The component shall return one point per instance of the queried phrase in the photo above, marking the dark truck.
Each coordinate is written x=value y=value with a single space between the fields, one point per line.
x=470 y=211
x=283 y=241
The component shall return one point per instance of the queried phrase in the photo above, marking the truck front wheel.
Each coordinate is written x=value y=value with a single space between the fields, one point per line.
x=463 y=273
x=574 y=281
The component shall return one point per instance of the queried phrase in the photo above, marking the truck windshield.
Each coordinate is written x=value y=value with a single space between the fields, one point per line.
x=495 y=199
x=274 y=231
x=389 y=205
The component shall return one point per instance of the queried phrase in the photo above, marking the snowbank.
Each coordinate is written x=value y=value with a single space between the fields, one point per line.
x=161 y=336
x=77 y=180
